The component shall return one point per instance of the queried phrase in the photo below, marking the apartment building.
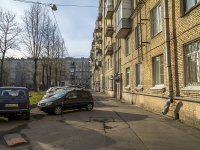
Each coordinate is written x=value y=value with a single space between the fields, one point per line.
x=149 y=55
x=80 y=72
x=19 y=72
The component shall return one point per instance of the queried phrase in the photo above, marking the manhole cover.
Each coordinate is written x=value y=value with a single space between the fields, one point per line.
x=14 y=139
x=101 y=119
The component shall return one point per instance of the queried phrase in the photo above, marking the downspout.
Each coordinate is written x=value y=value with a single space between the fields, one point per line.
x=168 y=59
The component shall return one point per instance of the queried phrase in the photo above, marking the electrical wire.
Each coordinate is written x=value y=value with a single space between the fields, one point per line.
x=63 y=5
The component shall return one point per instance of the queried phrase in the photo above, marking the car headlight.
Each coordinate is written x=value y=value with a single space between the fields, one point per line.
x=44 y=104
x=48 y=103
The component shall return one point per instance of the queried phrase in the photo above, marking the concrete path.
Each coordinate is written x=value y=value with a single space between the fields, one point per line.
x=145 y=130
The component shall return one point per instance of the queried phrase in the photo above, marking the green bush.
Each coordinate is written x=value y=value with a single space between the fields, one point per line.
x=36 y=96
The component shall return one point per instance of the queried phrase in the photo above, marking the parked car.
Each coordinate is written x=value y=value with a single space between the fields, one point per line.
x=47 y=95
x=14 y=101
x=69 y=99
x=53 y=89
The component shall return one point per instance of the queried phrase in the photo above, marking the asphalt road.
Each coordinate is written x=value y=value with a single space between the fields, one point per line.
x=111 y=125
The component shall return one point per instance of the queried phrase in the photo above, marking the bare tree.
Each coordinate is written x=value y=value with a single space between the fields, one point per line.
x=9 y=30
x=35 y=21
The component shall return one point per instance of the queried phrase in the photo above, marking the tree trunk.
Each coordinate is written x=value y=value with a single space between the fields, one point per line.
x=1 y=73
x=43 y=82
x=35 y=76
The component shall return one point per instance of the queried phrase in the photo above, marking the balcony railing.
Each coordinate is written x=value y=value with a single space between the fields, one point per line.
x=98 y=50
x=123 y=28
x=109 y=50
x=109 y=31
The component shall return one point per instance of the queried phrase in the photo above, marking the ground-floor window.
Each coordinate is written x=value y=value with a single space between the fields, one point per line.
x=192 y=63
x=138 y=74
x=128 y=76
x=158 y=70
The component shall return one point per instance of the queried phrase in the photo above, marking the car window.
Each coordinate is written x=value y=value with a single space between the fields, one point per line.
x=71 y=95
x=60 y=94
x=13 y=93
x=82 y=94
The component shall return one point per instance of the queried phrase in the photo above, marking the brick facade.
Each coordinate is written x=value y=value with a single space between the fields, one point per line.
x=184 y=28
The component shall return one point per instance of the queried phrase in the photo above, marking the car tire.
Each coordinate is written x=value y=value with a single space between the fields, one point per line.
x=89 y=106
x=57 y=110
x=27 y=116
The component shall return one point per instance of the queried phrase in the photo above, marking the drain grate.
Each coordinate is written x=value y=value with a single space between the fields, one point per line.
x=102 y=119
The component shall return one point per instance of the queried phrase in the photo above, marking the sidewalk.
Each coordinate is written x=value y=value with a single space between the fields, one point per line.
x=155 y=131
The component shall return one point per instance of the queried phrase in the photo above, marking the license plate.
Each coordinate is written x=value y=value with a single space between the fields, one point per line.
x=11 y=105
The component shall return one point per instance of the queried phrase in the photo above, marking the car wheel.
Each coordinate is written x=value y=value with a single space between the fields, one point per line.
x=27 y=116
x=57 y=110
x=89 y=106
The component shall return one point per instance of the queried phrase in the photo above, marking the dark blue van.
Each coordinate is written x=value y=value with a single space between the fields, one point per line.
x=14 y=101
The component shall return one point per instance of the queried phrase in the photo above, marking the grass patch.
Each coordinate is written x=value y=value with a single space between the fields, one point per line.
x=36 y=96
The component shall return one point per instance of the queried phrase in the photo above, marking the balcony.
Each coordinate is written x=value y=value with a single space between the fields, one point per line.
x=109 y=9
x=98 y=27
x=109 y=31
x=99 y=63
x=109 y=50
x=99 y=14
x=123 y=28
x=98 y=50
x=99 y=40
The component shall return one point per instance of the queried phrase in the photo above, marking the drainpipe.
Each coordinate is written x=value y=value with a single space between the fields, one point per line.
x=168 y=59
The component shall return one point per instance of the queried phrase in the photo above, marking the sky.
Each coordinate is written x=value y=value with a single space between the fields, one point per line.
x=76 y=24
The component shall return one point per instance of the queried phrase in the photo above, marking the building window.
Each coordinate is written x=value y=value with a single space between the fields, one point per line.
x=119 y=14
x=127 y=46
x=158 y=70
x=188 y=4
x=156 y=20
x=127 y=76
x=138 y=37
x=118 y=43
x=192 y=63
x=138 y=74
x=108 y=64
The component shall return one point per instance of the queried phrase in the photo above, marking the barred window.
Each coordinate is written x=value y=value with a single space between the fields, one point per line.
x=192 y=63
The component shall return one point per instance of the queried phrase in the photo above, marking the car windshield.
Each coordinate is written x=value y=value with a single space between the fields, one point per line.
x=60 y=94
x=12 y=93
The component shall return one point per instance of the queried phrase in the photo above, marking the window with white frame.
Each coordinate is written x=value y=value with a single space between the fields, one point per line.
x=127 y=46
x=127 y=76
x=156 y=20
x=138 y=74
x=158 y=70
x=192 y=63
x=188 y=4
x=119 y=14
x=138 y=37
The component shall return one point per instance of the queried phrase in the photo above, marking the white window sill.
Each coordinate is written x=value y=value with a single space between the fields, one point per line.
x=158 y=87
x=139 y=88
x=127 y=87
x=191 y=88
